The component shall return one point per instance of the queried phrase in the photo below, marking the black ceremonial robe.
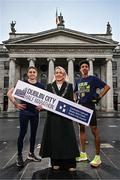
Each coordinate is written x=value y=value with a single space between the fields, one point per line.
x=59 y=139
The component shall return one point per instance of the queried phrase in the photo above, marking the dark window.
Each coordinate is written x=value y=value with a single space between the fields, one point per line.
x=114 y=82
x=43 y=78
x=6 y=65
x=25 y=77
x=5 y=105
x=114 y=65
x=6 y=82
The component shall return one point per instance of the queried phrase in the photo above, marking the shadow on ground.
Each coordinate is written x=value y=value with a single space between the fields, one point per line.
x=12 y=171
x=48 y=173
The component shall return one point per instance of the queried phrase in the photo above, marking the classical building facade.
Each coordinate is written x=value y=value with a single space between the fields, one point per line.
x=65 y=47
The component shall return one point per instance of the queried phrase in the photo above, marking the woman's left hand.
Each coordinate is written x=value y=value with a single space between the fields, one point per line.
x=39 y=108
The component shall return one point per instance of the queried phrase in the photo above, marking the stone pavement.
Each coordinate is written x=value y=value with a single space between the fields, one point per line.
x=109 y=125
x=99 y=114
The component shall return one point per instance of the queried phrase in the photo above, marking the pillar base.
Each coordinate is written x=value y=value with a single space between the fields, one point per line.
x=11 y=109
x=110 y=110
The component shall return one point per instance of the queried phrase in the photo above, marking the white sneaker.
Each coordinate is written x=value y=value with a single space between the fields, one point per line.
x=96 y=161
x=72 y=169
x=82 y=157
x=56 y=167
x=33 y=157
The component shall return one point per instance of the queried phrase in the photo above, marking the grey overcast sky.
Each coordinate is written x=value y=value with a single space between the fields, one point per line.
x=32 y=16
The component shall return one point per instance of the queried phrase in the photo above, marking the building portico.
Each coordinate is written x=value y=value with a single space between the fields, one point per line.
x=63 y=47
x=71 y=63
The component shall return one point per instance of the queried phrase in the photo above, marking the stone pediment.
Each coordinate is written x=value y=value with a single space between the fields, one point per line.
x=59 y=39
x=58 y=36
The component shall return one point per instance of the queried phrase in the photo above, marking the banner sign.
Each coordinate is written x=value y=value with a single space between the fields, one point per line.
x=52 y=102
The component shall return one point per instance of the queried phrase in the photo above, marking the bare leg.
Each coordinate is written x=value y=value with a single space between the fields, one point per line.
x=95 y=132
x=82 y=138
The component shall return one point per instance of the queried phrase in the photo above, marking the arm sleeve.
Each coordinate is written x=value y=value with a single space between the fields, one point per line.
x=99 y=83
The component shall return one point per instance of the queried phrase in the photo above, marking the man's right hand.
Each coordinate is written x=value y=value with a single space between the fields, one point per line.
x=20 y=106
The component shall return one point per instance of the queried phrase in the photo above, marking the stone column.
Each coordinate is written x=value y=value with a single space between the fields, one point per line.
x=11 y=81
x=50 y=69
x=91 y=65
x=109 y=80
x=31 y=61
x=71 y=69
x=103 y=101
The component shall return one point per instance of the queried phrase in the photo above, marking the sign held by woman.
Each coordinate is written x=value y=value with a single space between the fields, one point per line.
x=52 y=102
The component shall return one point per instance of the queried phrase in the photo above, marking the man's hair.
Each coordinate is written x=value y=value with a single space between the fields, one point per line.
x=84 y=62
x=31 y=67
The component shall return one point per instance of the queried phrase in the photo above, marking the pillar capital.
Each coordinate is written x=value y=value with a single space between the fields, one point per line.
x=12 y=59
x=70 y=59
x=51 y=59
x=90 y=59
x=109 y=59
x=31 y=59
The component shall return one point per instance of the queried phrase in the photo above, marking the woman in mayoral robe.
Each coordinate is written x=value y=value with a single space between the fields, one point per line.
x=59 y=139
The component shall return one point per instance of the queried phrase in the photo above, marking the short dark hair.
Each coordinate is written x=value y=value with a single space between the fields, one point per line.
x=84 y=62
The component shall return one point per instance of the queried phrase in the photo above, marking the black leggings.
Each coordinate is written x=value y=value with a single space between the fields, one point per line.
x=24 y=120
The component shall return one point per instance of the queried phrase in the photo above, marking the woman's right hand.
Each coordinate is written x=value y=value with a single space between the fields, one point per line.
x=39 y=108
